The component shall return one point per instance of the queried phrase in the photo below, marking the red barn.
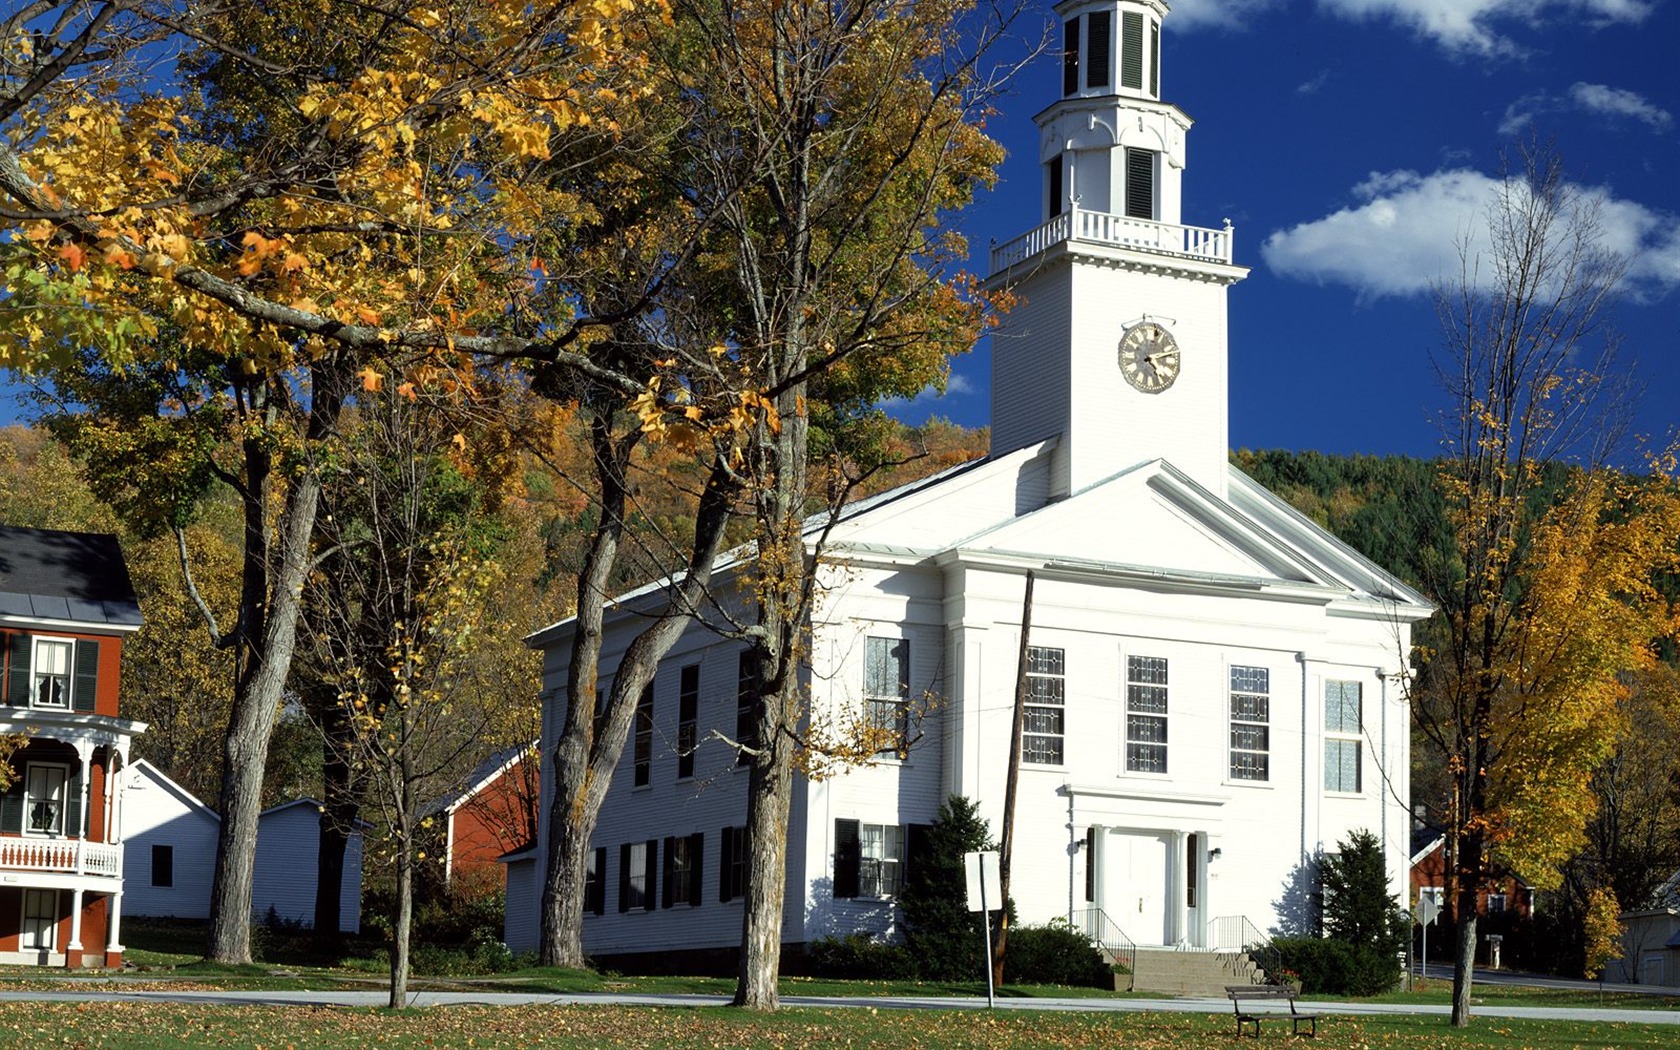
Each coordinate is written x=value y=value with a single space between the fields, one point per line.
x=494 y=813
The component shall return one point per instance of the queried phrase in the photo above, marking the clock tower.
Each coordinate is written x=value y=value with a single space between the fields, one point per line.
x=1117 y=344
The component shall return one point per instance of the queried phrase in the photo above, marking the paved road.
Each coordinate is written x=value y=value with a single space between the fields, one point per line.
x=1199 y=1006
x=1444 y=972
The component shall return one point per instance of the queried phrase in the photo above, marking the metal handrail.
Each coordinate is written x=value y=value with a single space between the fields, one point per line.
x=1107 y=935
x=1237 y=935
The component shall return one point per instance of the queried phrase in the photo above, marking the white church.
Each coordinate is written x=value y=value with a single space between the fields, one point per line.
x=1214 y=694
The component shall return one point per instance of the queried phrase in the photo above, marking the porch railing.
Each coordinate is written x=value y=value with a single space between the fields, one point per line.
x=1107 y=935
x=1096 y=227
x=62 y=855
x=1236 y=935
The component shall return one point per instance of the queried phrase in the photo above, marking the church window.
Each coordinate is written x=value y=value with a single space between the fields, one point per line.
x=1070 y=57
x=886 y=688
x=1131 y=50
x=1250 y=723
x=595 y=883
x=683 y=868
x=688 y=719
x=644 y=737
x=1342 y=736
x=1140 y=183
x=732 y=865
x=1098 y=27
x=868 y=859
x=1053 y=171
x=637 y=875
x=1046 y=706
x=1146 y=714
x=746 y=707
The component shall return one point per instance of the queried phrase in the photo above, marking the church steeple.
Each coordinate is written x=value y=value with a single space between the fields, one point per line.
x=1118 y=344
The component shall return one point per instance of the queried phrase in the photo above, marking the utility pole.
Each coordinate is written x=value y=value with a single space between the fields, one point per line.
x=1015 y=730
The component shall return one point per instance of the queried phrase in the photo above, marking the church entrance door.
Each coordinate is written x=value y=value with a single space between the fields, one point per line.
x=1138 y=870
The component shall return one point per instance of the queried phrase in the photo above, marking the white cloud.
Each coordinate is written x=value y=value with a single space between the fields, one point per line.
x=1315 y=85
x=1601 y=98
x=1225 y=14
x=1473 y=27
x=955 y=386
x=1405 y=232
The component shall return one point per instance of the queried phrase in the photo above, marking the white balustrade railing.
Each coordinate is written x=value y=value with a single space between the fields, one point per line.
x=61 y=855
x=1096 y=227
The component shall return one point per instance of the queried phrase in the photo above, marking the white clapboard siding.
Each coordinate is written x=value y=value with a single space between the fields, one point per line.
x=156 y=812
x=288 y=851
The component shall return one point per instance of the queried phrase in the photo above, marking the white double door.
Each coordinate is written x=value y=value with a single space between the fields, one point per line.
x=1150 y=884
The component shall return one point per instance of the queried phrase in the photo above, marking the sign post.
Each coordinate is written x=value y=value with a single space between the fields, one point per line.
x=982 y=870
x=1429 y=906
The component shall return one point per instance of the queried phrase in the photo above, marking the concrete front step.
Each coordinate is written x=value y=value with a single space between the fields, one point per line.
x=1192 y=972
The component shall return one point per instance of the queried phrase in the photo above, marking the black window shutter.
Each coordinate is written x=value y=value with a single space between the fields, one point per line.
x=1070 y=57
x=652 y=870
x=670 y=869
x=17 y=682
x=916 y=849
x=86 y=688
x=1131 y=49
x=846 y=858
x=11 y=808
x=1140 y=184
x=624 y=877
x=73 y=802
x=726 y=869
x=696 y=852
x=1097 y=48
x=597 y=901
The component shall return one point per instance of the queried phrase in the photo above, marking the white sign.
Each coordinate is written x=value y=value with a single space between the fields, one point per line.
x=983 y=867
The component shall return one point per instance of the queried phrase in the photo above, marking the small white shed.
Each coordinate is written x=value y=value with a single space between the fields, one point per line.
x=170 y=855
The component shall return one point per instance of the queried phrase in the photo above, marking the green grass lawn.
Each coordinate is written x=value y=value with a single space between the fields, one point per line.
x=148 y=1025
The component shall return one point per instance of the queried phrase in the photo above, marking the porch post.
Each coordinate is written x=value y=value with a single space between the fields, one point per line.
x=1179 y=883
x=113 y=933
x=75 y=944
x=84 y=756
x=110 y=791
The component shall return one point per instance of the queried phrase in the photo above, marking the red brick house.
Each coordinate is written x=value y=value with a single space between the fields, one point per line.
x=494 y=813
x=66 y=607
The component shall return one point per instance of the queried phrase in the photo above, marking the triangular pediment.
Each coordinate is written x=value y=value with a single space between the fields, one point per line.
x=1152 y=517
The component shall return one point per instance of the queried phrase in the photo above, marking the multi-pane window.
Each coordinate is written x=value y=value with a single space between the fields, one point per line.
x=636 y=875
x=746 y=705
x=688 y=719
x=1250 y=723
x=868 y=859
x=886 y=690
x=683 y=866
x=600 y=721
x=1043 y=727
x=52 y=673
x=1146 y=714
x=45 y=800
x=1342 y=731
x=644 y=737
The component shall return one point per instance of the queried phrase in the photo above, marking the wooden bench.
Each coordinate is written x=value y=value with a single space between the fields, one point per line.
x=1241 y=993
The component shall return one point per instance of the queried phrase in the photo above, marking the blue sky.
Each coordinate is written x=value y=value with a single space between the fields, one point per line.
x=1348 y=140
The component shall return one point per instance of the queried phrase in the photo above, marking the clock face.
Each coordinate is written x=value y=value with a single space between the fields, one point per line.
x=1149 y=357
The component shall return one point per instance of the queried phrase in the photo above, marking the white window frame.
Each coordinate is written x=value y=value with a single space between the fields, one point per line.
x=884 y=708
x=1138 y=688
x=30 y=797
x=1503 y=901
x=1044 y=727
x=880 y=860
x=1339 y=737
x=684 y=872
x=36 y=675
x=47 y=924
x=1249 y=683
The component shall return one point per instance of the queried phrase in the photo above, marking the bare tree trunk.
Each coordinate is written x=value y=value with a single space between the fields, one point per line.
x=769 y=800
x=1464 y=962
x=250 y=726
x=403 y=923
x=584 y=762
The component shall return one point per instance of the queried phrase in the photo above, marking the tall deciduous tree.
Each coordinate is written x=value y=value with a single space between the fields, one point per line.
x=860 y=122
x=1550 y=599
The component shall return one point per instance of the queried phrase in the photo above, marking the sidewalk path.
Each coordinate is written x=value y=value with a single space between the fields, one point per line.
x=1196 y=1006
